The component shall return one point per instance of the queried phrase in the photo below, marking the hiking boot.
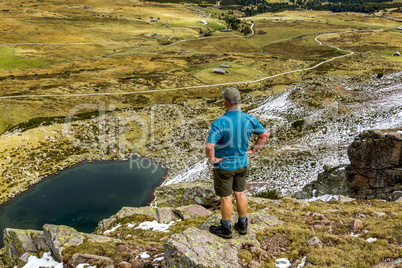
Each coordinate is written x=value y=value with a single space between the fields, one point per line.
x=241 y=227
x=221 y=230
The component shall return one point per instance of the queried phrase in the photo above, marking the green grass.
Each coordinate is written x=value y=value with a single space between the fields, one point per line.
x=86 y=30
x=304 y=47
x=8 y=62
x=218 y=12
x=219 y=45
x=389 y=56
x=216 y=26
x=237 y=73
x=269 y=31
x=339 y=247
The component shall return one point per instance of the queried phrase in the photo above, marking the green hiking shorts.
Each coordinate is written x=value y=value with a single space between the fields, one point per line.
x=226 y=181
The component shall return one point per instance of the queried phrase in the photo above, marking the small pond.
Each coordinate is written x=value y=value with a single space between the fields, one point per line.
x=83 y=195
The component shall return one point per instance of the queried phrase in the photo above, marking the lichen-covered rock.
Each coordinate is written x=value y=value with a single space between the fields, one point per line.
x=192 y=211
x=197 y=247
x=165 y=215
x=257 y=222
x=199 y=192
x=18 y=242
x=125 y=212
x=315 y=242
x=60 y=237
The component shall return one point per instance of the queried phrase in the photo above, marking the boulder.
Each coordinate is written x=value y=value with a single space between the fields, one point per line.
x=191 y=212
x=60 y=237
x=164 y=215
x=124 y=264
x=125 y=212
x=20 y=242
x=373 y=149
x=356 y=224
x=376 y=164
x=315 y=242
x=199 y=192
x=197 y=247
x=396 y=195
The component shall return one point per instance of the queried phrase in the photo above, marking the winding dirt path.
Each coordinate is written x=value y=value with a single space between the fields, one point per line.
x=206 y=86
x=252 y=30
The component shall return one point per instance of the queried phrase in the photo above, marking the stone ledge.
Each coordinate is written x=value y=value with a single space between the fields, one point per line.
x=197 y=247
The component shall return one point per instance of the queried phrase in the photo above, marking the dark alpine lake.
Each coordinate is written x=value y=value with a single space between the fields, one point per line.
x=81 y=196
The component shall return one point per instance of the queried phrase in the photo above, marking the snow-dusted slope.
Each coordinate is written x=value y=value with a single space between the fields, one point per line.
x=324 y=137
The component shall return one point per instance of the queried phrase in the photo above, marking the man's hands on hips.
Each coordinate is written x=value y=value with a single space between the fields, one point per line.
x=262 y=138
x=250 y=151
x=214 y=161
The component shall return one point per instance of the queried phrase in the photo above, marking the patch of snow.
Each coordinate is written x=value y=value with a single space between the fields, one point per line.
x=131 y=225
x=371 y=239
x=154 y=225
x=400 y=132
x=325 y=198
x=85 y=265
x=314 y=191
x=354 y=235
x=158 y=259
x=302 y=263
x=282 y=263
x=327 y=133
x=194 y=172
x=144 y=255
x=276 y=105
x=46 y=261
x=113 y=229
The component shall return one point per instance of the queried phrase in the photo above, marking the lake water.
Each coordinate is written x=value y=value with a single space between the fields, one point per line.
x=81 y=196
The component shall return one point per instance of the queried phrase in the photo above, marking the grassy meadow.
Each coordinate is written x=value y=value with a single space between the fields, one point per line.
x=9 y=61
x=237 y=73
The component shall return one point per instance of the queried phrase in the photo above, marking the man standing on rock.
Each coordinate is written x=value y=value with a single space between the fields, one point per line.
x=227 y=150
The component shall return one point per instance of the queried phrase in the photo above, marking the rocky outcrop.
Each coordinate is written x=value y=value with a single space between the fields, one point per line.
x=20 y=244
x=375 y=170
x=199 y=192
x=376 y=164
x=197 y=247
x=58 y=237
x=332 y=181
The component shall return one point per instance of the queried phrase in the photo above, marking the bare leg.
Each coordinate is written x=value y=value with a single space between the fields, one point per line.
x=226 y=207
x=241 y=203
